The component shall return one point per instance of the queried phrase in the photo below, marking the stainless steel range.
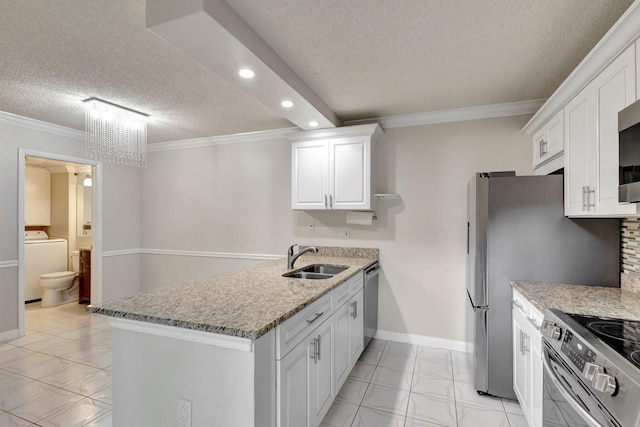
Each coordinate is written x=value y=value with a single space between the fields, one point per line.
x=591 y=371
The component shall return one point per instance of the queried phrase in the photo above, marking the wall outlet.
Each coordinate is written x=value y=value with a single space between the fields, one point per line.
x=184 y=413
x=344 y=233
x=312 y=226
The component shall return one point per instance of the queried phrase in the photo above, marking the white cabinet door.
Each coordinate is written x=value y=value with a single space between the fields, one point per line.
x=614 y=90
x=591 y=141
x=332 y=169
x=579 y=119
x=548 y=142
x=356 y=327
x=342 y=357
x=537 y=393
x=37 y=196
x=309 y=175
x=321 y=385
x=350 y=173
x=520 y=359
x=293 y=383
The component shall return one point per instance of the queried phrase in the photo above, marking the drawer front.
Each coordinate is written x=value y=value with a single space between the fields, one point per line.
x=294 y=330
x=532 y=314
x=342 y=293
x=355 y=283
x=519 y=302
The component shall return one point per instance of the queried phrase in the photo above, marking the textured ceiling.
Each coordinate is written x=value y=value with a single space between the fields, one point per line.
x=364 y=58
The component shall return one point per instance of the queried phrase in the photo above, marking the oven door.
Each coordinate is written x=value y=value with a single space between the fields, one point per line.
x=567 y=401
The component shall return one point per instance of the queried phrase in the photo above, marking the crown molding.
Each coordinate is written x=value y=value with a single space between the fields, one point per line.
x=39 y=125
x=237 y=138
x=387 y=122
x=618 y=38
x=456 y=114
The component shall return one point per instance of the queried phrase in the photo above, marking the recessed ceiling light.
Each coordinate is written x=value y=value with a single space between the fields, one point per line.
x=313 y=123
x=246 y=73
x=287 y=104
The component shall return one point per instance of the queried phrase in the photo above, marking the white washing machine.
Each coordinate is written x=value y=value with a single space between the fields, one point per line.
x=41 y=255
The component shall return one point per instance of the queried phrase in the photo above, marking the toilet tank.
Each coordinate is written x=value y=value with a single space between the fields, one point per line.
x=75 y=261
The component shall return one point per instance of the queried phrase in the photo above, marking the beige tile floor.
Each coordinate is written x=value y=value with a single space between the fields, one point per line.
x=59 y=374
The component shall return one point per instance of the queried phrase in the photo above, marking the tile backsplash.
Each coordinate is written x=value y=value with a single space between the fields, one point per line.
x=630 y=268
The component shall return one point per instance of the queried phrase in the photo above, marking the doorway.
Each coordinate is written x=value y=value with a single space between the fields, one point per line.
x=59 y=197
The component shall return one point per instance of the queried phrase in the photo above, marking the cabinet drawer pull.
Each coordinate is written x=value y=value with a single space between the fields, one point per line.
x=315 y=318
x=325 y=201
x=314 y=354
x=589 y=193
x=533 y=322
x=543 y=148
x=319 y=350
x=331 y=201
x=584 y=198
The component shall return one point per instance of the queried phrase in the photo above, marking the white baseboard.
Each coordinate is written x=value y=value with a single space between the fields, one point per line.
x=9 y=335
x=424 y=340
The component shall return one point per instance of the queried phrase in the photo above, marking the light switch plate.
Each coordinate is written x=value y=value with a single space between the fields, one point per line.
x=344 y=233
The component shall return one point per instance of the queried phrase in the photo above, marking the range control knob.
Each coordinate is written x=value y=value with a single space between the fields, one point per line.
x=605 y=383
x=591 y=370
x=551 y=331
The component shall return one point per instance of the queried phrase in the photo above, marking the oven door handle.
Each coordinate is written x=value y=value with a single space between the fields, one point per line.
x=592 y=422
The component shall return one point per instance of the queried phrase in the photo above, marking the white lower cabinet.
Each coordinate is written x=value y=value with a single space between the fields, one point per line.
x=321 y=386
x=293 y=383
x=527 y=358
x=314 y=358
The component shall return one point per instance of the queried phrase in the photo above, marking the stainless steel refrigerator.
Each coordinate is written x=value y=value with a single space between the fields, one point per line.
x=517 y=231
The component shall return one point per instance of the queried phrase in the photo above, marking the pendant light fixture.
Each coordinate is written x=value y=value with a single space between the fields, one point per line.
x=116 y=134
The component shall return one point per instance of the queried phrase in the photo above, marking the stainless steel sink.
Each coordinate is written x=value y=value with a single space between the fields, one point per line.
x=316 y=272
x=324 y=269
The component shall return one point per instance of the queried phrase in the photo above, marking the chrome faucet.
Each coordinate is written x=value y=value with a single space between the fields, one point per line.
x=291 y=258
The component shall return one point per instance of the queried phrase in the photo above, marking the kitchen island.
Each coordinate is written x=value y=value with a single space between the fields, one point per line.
x=240 y=347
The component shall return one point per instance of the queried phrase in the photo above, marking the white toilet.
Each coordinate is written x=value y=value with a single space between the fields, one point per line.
x=58 y=286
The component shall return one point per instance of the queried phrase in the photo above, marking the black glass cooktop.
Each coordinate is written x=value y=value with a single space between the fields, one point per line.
x=623 y=336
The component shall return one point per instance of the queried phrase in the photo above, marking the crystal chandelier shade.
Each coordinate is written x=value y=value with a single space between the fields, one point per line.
x=116 y=134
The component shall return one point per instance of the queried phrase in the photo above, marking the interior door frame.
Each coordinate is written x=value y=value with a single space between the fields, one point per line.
x=96 y=232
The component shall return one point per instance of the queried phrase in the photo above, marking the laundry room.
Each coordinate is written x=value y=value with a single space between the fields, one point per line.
x=58 y=200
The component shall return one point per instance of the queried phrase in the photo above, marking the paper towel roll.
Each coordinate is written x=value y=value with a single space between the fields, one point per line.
x=359 y=218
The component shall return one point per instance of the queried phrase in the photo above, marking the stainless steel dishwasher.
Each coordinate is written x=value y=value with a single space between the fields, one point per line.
x=370 y=302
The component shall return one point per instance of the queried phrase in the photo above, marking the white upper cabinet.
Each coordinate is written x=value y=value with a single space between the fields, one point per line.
x=591 y=135
x=332 y=168
x=37 y=196
x=548 y=142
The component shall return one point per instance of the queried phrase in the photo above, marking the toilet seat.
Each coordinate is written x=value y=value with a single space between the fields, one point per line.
x=58 y=275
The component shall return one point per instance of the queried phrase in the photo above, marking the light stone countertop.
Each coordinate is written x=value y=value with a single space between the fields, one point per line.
x=245 y=303
x=591 y=300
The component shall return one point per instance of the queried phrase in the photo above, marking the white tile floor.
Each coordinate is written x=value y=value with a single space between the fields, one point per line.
x=59 y=374
x=403 y=385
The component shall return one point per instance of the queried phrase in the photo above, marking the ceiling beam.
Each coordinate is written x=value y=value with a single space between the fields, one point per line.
x=216 y=36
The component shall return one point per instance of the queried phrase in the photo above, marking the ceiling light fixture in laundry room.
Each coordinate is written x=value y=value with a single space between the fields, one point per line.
x=87 y=181
x=116 y=134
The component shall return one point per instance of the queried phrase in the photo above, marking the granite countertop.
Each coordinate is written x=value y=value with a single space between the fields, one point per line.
x=576 y=299
x=245 y=303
